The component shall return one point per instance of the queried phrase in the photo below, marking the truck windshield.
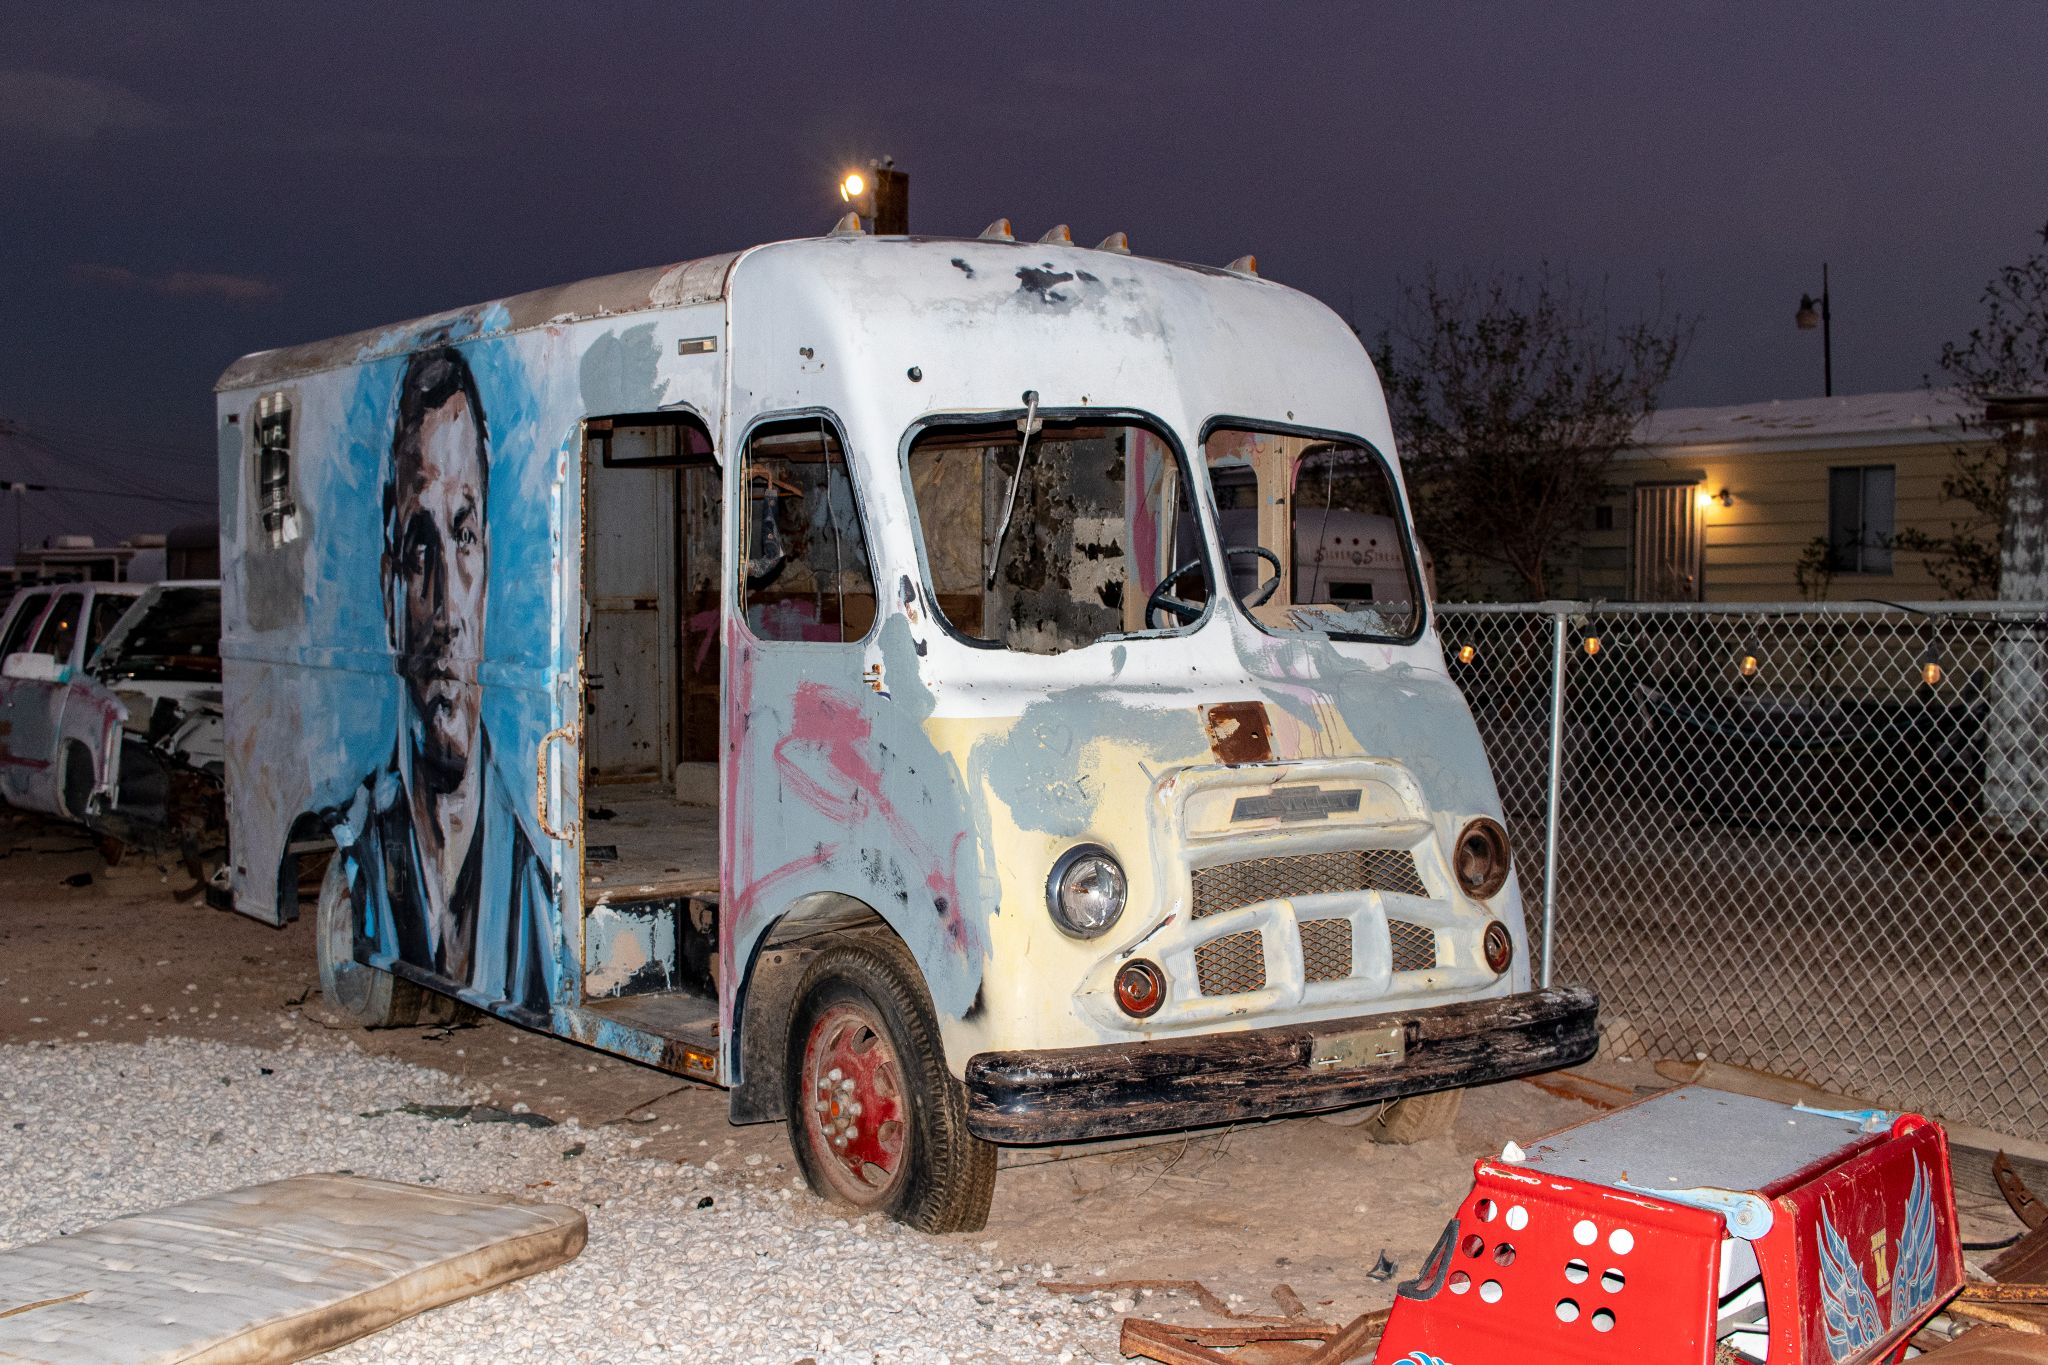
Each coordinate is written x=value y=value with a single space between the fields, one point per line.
x=170 y=634
x=1056 y=542
x=1322 y=518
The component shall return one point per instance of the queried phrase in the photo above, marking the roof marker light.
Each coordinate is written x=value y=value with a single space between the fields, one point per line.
x=1057 y=236
x=998 y=231
x=1117 y=242
x=1247 y=266
x=849 y=226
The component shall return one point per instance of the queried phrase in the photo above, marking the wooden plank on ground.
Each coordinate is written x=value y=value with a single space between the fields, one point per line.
x=1992 y=1346
x=274 y=1272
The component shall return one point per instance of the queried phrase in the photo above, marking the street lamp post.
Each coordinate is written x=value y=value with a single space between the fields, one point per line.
x=880 y=194
x=1808 y=318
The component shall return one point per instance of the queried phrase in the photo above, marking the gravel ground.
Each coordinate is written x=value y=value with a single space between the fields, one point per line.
x=685 y=1258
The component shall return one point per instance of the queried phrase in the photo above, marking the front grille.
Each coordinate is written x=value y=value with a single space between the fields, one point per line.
x=1325 y=949
x=1231 y=965
x=1414 y=946
x=1235 y=885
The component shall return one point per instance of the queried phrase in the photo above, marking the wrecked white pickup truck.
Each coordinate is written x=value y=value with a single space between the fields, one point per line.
x=110 y=710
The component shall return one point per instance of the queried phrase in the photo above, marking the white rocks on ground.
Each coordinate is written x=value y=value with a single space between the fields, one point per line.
x=762 y=1272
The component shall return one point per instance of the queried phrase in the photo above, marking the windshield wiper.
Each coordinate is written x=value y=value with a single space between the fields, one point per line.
x=1026 y=424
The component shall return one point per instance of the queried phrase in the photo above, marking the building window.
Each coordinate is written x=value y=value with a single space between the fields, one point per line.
x=806 y=565
x=1603 y=516
x=1860 y=504
x=275 y=509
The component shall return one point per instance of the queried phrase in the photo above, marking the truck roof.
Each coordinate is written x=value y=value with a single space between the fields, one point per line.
x=633 y=291
x=684 y=283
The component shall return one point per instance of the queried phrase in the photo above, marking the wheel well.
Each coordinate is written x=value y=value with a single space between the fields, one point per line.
x=767 y=995
x=308 y=835
x=74 y=787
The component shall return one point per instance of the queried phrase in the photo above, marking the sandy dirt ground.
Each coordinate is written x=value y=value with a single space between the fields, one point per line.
x=92 y=952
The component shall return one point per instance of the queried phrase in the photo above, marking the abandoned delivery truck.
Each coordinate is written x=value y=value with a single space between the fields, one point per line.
x=947 y=692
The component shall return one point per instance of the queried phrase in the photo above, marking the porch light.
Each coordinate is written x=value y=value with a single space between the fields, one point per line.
x=853 y=186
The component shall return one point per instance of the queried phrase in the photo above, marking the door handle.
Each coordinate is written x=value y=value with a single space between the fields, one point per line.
x=540 y=781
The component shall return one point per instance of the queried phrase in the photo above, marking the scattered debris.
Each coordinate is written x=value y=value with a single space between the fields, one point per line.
x=468 y=1113
x=1383 y=1269
x=1570 y=1085
x=2025 y=1206
x=1311 y=1343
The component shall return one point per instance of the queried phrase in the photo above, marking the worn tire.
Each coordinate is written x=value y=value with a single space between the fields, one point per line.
x=941 y=1177
x=1417 y=1118
x=371 y=997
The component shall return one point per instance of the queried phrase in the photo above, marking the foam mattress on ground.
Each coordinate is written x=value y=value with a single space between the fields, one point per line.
x=273 y=1272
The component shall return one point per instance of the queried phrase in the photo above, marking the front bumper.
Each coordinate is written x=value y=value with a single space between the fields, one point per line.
x=1074 y=1094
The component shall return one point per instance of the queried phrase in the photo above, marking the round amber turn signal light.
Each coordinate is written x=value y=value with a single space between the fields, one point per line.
x=1140 y=989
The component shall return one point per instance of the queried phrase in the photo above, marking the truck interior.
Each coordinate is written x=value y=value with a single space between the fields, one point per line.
x=651 y=506
x=653 y=509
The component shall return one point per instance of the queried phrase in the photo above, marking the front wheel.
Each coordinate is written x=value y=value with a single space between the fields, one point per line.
x=1417 y=1118
x=371 y=997
x=877 y=1123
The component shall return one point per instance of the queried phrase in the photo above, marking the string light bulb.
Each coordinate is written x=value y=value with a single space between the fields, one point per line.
x=1749 y=665
x=1467 y=653
x=1591 y=644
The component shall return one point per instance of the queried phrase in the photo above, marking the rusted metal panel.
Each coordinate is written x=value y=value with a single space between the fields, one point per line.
x=1238 y=732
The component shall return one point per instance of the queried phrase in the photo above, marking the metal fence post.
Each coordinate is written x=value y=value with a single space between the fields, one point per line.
x=1552 y=801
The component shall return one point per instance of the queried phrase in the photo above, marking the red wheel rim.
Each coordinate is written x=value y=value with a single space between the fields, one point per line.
x=855 y=1117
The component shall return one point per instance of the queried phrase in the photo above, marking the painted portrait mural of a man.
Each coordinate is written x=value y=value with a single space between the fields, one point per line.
x=445 y=877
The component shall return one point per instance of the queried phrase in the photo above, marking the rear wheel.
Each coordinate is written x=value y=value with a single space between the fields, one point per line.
x=877 y=1123
x=1417 y=1118
x=371 y=997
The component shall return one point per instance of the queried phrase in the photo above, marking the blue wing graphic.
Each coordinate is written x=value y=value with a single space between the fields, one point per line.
x=1847 y=1303
x=1913 y=1281
x=1421 y=1358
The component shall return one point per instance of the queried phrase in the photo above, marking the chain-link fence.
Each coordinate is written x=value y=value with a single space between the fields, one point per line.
x=1810 y=839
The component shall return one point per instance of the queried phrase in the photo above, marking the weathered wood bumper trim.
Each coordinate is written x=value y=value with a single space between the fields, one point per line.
x=1073 y=1094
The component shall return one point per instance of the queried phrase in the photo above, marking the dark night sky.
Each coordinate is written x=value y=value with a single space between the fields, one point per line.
x=183 y=183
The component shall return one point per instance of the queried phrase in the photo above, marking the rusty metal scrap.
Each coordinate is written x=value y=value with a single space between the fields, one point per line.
x=2025 y=1206
x=1977 y=1291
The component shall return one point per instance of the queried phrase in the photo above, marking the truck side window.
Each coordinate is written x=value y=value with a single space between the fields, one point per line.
x=275 y=507
x=24 y=621
x=106 y=609
x=805 y=572
x=1327 y=512
x=60 y=627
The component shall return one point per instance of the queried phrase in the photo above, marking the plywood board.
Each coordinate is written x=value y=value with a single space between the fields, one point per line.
x=274 y=1272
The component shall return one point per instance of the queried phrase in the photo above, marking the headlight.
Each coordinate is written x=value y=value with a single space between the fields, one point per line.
x=1086 y=891
x=1481 y=858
